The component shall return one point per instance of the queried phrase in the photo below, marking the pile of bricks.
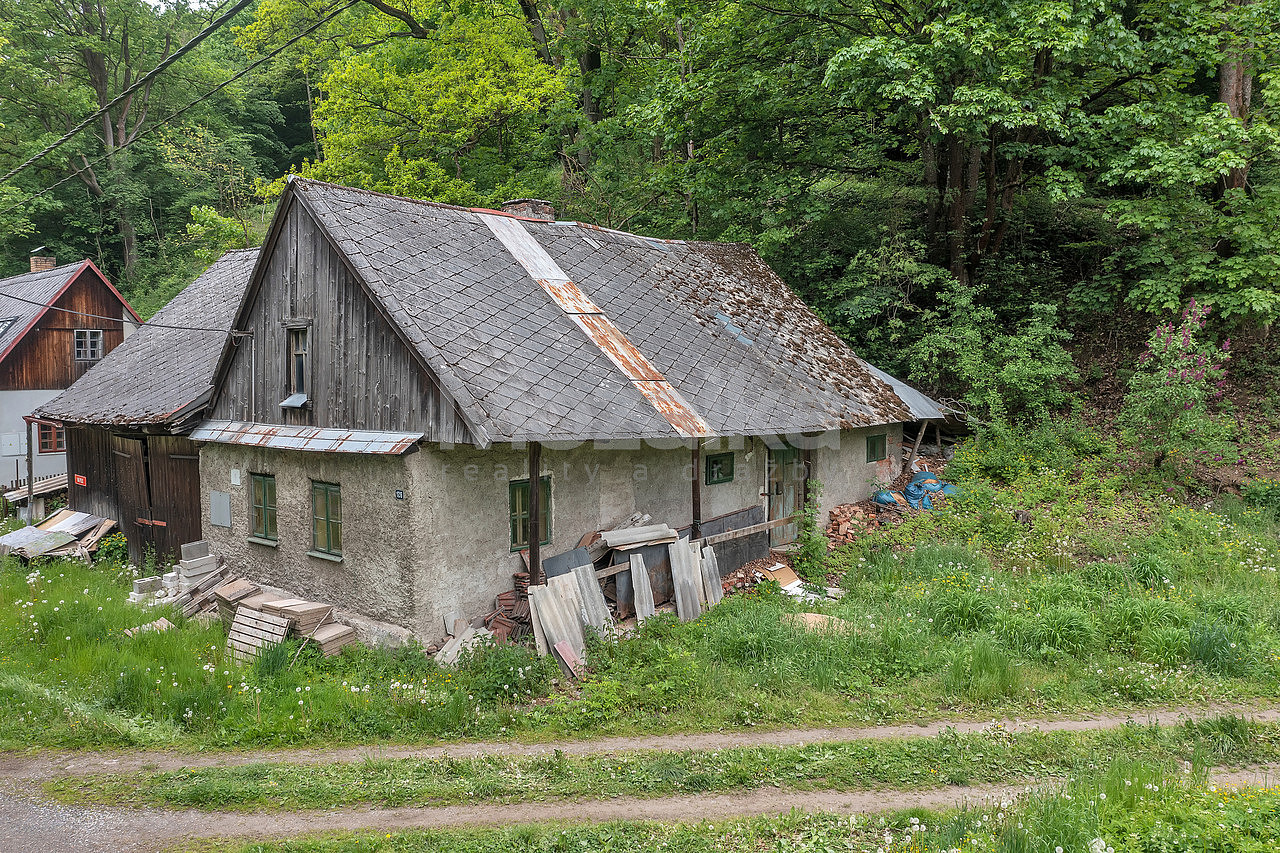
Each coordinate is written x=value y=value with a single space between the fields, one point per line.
x=848 y=521
x=509 y=620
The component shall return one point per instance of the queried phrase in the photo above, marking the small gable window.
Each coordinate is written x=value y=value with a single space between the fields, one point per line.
x=877 y=447
x=52 y=439
x=519 y=508
x=297 y=369
x=88 y=345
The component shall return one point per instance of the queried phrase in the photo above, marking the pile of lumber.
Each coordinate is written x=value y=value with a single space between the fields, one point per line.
x=311 y=621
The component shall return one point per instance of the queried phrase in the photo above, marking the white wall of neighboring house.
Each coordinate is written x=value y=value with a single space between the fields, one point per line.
x=13 y=437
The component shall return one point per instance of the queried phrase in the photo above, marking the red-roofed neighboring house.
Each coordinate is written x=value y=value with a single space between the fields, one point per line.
x=55 y=323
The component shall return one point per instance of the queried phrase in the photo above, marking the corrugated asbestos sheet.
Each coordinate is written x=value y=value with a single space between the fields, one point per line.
x=648 y=380
x=530 y=340
x=156 y=373
x=311 y=439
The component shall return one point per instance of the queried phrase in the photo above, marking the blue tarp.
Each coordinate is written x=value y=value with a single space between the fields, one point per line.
x=916 y=494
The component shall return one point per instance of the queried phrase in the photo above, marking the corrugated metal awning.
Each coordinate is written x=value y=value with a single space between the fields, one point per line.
x=310 y=439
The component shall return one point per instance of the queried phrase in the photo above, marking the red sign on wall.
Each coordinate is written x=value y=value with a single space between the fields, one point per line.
x=81 y=480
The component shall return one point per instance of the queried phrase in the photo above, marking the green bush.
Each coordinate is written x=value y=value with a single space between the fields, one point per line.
x=1003 y=451
x=1164 y=644
x=1263 y=493
x=503 y=674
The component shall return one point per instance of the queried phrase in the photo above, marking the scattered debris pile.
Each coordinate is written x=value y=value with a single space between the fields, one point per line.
x=847 y=521
x=201 y=585
x=64 y=534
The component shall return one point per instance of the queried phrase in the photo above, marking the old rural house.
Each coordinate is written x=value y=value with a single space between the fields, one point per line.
x=126 y=420
x=398 y=369
x=56 y=322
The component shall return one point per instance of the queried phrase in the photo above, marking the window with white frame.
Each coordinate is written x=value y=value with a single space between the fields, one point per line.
x=88 y=344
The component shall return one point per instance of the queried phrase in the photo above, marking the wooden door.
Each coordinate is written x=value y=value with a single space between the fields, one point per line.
x=173 y=478
x=134 y=495
x=786 y=492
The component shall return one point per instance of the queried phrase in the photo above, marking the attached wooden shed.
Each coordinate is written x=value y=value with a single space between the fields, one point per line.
x=127 y=419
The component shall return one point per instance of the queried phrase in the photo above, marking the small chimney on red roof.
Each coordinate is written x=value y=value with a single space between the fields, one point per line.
x=534 y=208
x=40 y=263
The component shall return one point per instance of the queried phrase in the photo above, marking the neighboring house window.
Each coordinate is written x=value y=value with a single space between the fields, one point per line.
x=298 y=365
x=519 y=496
x=326 y=518
x=53 y=439
x=719 y=468
x=877 y=447
x=264 y=506
x=88 y=344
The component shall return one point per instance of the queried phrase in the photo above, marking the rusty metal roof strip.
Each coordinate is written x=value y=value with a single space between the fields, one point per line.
x=615 y=345
x=312 y=439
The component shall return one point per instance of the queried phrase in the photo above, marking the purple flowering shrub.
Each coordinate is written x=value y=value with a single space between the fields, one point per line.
x=1170 y=411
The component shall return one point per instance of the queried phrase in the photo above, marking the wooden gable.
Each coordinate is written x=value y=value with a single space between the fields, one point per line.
x=44 y=358
x=361 y=373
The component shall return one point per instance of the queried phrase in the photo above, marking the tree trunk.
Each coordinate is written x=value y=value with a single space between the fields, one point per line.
x=1235 y=89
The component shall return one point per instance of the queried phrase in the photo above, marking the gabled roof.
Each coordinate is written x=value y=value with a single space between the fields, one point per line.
x=163 y=372
x=25 y=298
x=564 y=331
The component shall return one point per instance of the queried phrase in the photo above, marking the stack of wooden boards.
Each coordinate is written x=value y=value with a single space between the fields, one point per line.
x=255 y=621
x=570 y=602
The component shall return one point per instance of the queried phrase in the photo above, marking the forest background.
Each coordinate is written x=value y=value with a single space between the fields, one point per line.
x=998 y=200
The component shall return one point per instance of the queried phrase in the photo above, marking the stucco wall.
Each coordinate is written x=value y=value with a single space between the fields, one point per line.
x=13 y=429
x=844 y=472
x=380 y=543
x=446 y=546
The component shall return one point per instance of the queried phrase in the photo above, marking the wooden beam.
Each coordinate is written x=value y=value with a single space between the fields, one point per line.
x=31 y=475
x=535 y=512
x=916 y=448
x=697 y=489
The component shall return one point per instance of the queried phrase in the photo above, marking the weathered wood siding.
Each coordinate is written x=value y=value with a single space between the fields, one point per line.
x=362 y=374
x=89 y=455
x=149 y=484
x=45 y=357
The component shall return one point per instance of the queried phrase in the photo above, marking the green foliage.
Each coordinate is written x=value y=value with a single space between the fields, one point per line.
x=810 y=557
x=1004 y=374
x=1263 y=493
x=215 y=234
x=1169 y=408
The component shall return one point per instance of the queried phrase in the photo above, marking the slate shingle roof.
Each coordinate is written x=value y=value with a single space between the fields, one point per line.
x=746 y=353
x=158 y=373
x=42 y=288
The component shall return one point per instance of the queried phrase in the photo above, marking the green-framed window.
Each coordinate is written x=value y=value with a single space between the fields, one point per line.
x=519 y=504
x=877 y=447
x=719 y=468
x=326 y=518
x=263 y=500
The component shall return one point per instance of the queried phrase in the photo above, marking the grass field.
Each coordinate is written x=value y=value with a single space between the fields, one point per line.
x=1110 y=595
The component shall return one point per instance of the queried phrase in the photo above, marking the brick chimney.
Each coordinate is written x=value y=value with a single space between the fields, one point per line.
x=534 y=208
x=40 y=263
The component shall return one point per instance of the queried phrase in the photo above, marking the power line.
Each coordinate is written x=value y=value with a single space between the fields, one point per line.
x=4 y=295
x=144 y=80
x=162 y=122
